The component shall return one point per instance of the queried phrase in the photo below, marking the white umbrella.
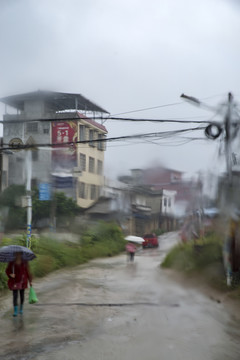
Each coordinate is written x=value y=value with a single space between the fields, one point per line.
x=135 y=239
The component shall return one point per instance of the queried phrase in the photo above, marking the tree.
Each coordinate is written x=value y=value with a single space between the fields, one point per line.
x=66 y=207
x=17 y=216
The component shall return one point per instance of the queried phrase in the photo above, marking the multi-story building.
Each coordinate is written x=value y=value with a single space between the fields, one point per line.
x=90 y=158
x=3 y=168
x=58 y=119
x=188 y=193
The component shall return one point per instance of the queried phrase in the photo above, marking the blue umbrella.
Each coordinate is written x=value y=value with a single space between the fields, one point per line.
x=8 y=253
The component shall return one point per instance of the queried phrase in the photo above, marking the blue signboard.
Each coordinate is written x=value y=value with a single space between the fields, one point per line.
x=44 y=192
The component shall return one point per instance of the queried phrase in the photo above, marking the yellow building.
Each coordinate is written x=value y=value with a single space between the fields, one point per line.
x=90 y=160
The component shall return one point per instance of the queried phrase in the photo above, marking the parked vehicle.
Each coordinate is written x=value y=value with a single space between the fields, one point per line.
x=150 y=241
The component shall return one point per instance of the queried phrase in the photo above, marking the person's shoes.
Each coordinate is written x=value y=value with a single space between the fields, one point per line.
x=21 y=309
x=15 y=313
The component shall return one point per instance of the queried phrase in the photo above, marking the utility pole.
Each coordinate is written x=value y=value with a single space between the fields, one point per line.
x=231 y=196
x=228 y=138
x=227 y=127
x=29 y=196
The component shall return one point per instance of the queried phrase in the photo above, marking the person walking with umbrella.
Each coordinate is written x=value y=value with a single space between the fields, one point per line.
x=131 y=245
x=17 y=271
x=131 y=249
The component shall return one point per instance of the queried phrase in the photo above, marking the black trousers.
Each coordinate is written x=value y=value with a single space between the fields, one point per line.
x=131 y=254
x=15 y=296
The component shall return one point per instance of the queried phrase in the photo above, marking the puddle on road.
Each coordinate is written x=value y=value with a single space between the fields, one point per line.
x=91 y=283
x=104 y=265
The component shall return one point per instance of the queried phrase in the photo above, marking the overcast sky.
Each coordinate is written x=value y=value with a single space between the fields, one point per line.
x=127 y=55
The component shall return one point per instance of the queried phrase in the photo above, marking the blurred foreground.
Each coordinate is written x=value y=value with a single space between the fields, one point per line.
x=175 y=322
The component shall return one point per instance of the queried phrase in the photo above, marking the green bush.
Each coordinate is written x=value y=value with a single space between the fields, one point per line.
x=66 y=208
x=3 y=276
x=21 y=240
x=104 y=239
x=159 y=232
x=64 y=254
x=42 y=265
x=192 y=256
x=16 y=218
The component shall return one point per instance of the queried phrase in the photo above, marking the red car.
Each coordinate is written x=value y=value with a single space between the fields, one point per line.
x=150 y=241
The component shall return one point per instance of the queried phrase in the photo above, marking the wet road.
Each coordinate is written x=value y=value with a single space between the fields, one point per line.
x=155 y=317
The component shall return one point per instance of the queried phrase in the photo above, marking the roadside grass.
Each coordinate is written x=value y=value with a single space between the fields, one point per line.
x=202 y=258
x=101 y=240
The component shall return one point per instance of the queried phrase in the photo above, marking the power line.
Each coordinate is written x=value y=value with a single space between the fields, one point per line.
x=110 y=117
x=148 y=108
x=167 y=120
x=164 y=134
x=173 y=118
x=181 y=141
x=163 y=105
x=162 y=120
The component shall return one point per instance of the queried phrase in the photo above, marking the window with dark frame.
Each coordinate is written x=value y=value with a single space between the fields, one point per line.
x=32 y=127
x=93 y=192
x=82 y=132
x=97 y=191
x=100 y=143
x=82 y=190
x=100 y=167
x=91 y=167
x=83 y=162
x=91 y=138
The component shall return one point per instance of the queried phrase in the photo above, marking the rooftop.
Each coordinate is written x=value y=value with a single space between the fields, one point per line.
x=92 y=122
x=54 y=101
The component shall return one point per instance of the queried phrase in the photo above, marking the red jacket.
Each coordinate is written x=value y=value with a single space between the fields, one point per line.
x=22 y=275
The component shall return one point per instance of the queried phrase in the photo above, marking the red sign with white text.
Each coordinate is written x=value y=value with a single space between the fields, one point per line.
x=64 y=156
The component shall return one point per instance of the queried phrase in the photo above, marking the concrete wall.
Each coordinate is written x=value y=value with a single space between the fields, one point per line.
x=41 y=159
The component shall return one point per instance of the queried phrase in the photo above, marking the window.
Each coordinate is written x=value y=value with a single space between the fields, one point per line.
x=91 y=138
x=46 y=131
x=91 y=165
x=83 y=162
x=82 y=190
x=169 y=202
x=97 y=191
x=165 y=202
x=32 y=127
x=101 y=143
x=35 y=155
x=93 y=192
x=82 y=132
x=100 y=167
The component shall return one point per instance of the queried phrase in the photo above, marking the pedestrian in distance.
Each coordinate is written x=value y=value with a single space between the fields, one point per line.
x=131 y=249
x=18 y=277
